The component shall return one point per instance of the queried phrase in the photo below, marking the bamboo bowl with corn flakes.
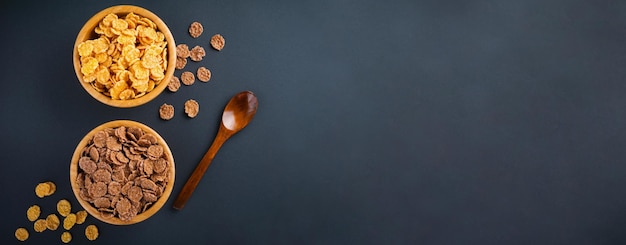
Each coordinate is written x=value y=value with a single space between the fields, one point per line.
x=122 y=172
x=124 y=56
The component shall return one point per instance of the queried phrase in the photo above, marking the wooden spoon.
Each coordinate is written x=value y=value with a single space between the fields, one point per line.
x=238 y=113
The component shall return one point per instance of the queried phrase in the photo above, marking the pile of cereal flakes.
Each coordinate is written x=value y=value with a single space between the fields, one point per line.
x=127 y=60
x=122 y=172
x=52 y=222
x=188 y=78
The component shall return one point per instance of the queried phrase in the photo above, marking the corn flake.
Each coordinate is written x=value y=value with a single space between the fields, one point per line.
x=81 y=216
x=40 y=225
x=21 y=234
x=91 y=232
x=66 y=237
x=64 y=207
x=33 y=213
x=85 y=48
x=69 y=221
x=42 y=190
x=52 y=222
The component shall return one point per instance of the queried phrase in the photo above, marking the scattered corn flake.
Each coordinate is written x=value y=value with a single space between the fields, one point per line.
x=180 y=63
x=174 y=84
x=197 y=53
x=203 y=74
x=166 y=112
x=81 y=216
x=33 y=213
x=195 y=29
x=40 y=225
x=52 y=222
x=191 y=108
x=91 y=232
x=66 y=237
x=69 y=221
x=182 y=51
x=21 y=234
x=217 y=42
x=43 y=189
x=64 y=207
x=187 y=78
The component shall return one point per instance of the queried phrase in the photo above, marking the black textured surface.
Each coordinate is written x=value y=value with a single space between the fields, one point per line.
x=379 y=122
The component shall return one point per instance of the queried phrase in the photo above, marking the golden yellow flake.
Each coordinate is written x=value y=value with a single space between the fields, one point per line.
x=69 y=221
x=21 y=234
x=40 y=225
x=66 y=237
x=33 y=213
x=91 y=232
x=64 y=207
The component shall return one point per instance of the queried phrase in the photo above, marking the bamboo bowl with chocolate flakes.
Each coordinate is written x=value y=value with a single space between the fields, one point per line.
x=122 y=172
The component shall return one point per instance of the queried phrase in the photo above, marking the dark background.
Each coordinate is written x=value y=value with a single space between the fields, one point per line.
x=379 y=122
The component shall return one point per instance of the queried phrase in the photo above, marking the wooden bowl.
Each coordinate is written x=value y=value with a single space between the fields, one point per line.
x=88 y=33
x=74 y=169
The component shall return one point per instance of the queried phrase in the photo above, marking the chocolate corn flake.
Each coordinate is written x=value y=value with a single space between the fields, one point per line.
x=166 y=112
x=197 y=53
x=203 y=74
x=180 y=63
x=191 y=108
x=187 y=78
x=217 y=42
x=174 y=84
x=182 y=51
x=195 y=29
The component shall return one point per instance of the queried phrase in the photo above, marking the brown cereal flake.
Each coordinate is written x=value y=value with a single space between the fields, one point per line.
x=166 y=112
x=115 y=188
x=21 y=234
x=87 y=165
x=64 y=207
x=91 y=232
x=174 y=84
x=203 y=74
x=97 y=189
x=195 y=29
x=217 y=42
x=66 y=237
x=155 y=152
x=197 y=53
x=33 y=213
x=182 y=51
x=52 y=222
x=69 y=221
x=40 y=225
x=180 y=63
x=81 y=216
x=187 y=78
x=191 y=108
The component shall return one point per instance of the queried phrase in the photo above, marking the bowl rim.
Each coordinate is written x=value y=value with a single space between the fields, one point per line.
x=87 y=31
x=143 y=215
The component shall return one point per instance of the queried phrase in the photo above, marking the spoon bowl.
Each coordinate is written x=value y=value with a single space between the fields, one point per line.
x=237 y=115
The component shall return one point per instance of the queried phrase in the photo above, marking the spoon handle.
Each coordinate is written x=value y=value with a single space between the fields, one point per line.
x=197 y=174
